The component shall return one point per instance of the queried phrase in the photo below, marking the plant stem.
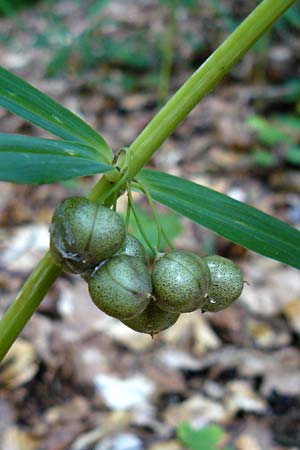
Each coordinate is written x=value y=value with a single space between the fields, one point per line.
x=168 y=41
x=160 y=230
x=142 y=149
x=140 y=227
x=127 y=219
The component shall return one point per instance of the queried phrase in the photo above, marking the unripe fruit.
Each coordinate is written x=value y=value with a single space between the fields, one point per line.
x=152 y=320
x=84 y=233
x=227 y=283
x=133 y=247
x=181 y=282
x=121 y=287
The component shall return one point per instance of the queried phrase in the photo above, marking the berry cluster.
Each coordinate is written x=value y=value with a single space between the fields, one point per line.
x=89 y=239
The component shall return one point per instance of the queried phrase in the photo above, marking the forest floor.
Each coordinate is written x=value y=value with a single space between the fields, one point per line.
x=80 y=380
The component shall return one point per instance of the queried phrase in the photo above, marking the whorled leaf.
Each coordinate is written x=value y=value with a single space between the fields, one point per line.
x=19 y=97
x=25 y=159
x=230 y=218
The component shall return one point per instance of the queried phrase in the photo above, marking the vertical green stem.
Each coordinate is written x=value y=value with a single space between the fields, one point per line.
x=150 y=139
x=140 y=227
x=128 y=212
x=160 y=230
x=168 y=42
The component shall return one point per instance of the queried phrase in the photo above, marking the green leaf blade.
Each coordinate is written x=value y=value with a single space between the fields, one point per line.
x=292 y=154
x=225 y=216
x=19 y=97
x=25 y=159
x=269 y=133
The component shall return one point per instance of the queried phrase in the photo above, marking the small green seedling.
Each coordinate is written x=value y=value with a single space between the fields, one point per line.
x=210 y=437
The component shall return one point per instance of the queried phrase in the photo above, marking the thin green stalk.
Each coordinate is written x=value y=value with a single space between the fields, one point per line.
x=160 y=229
x=115 y=200
x=116 y=186
x=127 y=219
x=168 y=42
x=140 y=227
x=142 y=149
x=155 y=215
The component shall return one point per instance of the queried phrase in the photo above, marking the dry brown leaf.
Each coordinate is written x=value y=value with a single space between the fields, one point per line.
x=197 y=410
x=167 y=445
x=240 y=396
x=246 y=442
x=292 y=313
x=267 y=335
x=24 y=250
x=114 y=424
x=123 y=441
x=19 y=365
x=16 y=439
x=195 y=327
x=178 y=359
x=271 y=286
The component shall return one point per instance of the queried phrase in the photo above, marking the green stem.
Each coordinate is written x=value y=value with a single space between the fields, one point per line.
x=122 y=180
x=115 y=200
x=101 y=187
x=142 y=149
x=127 y=219
x=168 y=41
x=140 y=227
x=160 y=229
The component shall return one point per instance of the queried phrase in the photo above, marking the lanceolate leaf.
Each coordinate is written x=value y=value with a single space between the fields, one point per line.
x=25 y=159
x=21 y=98
x=230 y=218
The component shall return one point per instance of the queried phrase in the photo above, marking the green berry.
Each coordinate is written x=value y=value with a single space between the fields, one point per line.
x=84 y=233
x=121 y=287
x=227 y=283
x=133 y=247
x=152 y=320
x=181 y=282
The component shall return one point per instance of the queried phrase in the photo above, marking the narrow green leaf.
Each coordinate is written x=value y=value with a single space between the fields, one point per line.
x=230 y=218
x=19 y=97
x=269 y=133
x=264 y=158
x=292 y=154
x=25 y=159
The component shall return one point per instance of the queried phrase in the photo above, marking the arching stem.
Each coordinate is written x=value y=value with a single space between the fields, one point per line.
x=138 y=222
x=128 y=212
x=160 y=230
